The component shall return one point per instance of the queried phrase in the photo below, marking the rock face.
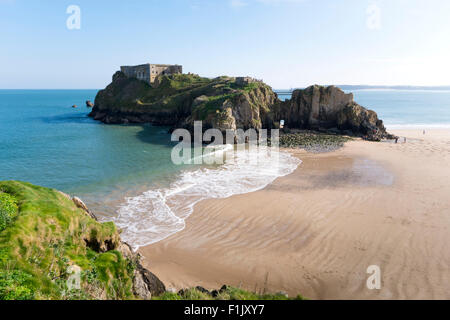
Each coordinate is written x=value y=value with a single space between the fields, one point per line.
x=243 y=109
x=325 y=108
x=315 y=107
x=358 y=119
x=179 y=100
x=145 y=283
x=80 y=204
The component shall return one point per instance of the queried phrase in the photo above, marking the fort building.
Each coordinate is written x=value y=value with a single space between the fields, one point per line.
x=242 y=81
x=148 y=72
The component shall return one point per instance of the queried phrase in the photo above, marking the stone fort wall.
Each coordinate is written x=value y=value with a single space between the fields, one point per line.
x=148 y=72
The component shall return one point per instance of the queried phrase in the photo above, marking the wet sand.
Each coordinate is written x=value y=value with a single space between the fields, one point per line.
x=316 y=231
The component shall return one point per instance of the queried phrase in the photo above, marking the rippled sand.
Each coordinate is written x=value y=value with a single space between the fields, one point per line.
x=317 y=230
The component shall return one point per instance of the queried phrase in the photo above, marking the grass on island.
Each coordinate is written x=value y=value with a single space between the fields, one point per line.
x=42 y=234
x=229 y=91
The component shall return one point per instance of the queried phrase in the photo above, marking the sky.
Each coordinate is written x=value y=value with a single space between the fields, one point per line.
x=287 y=43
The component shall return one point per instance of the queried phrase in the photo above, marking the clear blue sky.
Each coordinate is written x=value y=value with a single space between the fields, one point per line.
x=288 y=43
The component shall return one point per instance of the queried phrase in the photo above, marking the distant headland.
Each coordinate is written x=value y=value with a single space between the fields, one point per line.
x=367 y=87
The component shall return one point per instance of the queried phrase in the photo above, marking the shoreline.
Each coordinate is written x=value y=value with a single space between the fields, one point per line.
x=315 y=231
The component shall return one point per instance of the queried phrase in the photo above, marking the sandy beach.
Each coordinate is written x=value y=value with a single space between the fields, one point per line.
x=315 y=231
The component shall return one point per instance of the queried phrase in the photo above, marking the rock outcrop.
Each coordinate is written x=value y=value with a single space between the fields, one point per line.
x=145 y=283
x=242 y=109
x=315 y=107
x=358 y=119
x=80 y=204
x=330 y=108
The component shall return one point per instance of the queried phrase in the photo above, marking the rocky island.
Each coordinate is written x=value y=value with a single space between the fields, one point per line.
x=177 y=100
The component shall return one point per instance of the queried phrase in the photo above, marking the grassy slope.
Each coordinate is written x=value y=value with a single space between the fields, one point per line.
x=48 y=234
x=45 y=233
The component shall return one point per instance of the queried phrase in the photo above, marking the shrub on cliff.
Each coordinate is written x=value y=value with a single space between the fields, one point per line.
x=8 y=208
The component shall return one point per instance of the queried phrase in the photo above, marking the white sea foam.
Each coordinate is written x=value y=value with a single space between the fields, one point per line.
x=157 y=214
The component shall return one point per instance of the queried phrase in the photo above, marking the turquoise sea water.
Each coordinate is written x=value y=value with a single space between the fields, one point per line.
x=45 y=141
x=124 y=172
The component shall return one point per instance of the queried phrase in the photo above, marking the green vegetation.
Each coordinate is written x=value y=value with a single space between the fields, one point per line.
x=225 y=293
x=8 y=209
x=212 y=106
x=15 y=285
x=45 y=236
x=313 y=141
x=168 y=94
x=228 y=91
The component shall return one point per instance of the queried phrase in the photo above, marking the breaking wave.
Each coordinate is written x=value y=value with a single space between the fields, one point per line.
x=156 y=214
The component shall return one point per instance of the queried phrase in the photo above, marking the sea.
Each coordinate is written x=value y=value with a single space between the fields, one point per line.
x=124 y=173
